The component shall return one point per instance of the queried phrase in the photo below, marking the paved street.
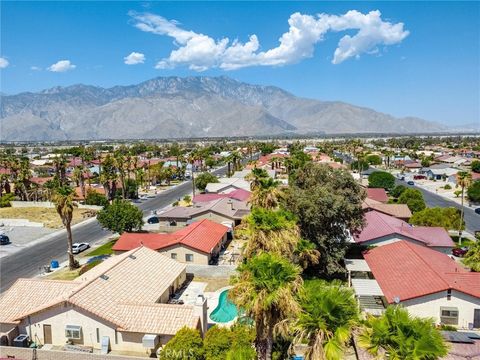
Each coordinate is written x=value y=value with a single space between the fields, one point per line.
x=472 y=220
x=29 y=261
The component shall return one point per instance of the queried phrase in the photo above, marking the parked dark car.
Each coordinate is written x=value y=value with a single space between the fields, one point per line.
x=153 y=220
x=477 y=210
x=410 y=182
x=4 y=240
x=460 y=252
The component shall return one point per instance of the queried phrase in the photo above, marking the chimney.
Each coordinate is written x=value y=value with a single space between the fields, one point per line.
x=231 y=204
x=200 y=310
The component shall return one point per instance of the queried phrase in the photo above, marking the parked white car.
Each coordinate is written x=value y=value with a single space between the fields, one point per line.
x=79 y=247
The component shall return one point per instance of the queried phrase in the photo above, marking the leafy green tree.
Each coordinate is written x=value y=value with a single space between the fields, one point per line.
x=448 y=218
x=413 y=198
x=398 y=190
x=472 y=257
x=95 y=198
x=266 y=288
x=235 y=343
x=329 y=313
x=359 y=165
x=203 y=179
x=120 y=217
x=425 y=162
x=473 y=192
x=131 y=189
x=328 y=203
x=476 y=166
x=217 y=342
x=374 y=159
x=401 y=336
x=63 y=199
x=187 y=344
x=381 y=179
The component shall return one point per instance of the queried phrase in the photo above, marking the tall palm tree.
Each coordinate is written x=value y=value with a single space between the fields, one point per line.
x=329 y=313
x=397 y=335
x=271 y=231
x=464 y=180
x=63 y=199
x=265 y=289
x=267 y=194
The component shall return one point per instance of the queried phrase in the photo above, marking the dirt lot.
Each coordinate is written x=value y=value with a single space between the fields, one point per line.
x=47 y=216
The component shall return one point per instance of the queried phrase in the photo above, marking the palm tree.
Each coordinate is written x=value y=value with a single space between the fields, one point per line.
x=472 y=257
x=329 y=313
x=464 y=179
x=63 y=199
x=397 y=335
x=271 y=231
x=267 y=194
x=265 y=289
x=79 y=179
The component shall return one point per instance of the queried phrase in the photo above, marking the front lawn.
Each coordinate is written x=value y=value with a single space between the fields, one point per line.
x=105 y=249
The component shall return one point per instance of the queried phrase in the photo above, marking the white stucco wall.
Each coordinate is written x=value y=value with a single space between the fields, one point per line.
x=60 y=316
x=429 y=306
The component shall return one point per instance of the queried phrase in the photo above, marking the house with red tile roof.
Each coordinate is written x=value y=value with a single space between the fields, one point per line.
x=198 y=243
x=427 y=283
x=125 y=298
x=377 y=194
x=381 y=229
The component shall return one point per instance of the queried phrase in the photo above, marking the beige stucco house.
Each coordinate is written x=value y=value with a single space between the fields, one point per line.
x=426 y=282
x=198 y=243
x=122 y=301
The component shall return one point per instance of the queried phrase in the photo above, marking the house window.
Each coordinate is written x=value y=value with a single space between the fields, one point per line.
x=98 y=335
x=173 y=223
x=449 y=294
x=73 y=332
x=189 y=257
x=174 y=256
x=449 y=315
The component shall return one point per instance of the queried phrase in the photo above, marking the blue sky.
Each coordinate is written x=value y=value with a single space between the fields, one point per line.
x=429 y=67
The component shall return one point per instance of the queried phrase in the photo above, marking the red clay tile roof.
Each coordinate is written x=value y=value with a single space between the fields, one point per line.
x=377 y=194
x=379 y=225
x=408 y=271
x=202 y=235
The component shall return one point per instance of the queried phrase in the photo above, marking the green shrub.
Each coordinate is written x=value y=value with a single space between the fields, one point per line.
x=447 y=187
x=5 y=200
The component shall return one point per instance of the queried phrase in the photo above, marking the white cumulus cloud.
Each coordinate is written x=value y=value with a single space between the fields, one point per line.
x=201 y=52
x=61 y=66
x=3 y=63
x=134 y=58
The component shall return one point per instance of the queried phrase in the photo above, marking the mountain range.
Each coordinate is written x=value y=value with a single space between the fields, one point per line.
x=193 y=107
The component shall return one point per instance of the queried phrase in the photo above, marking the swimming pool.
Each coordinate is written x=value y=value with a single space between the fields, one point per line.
x=225 y=311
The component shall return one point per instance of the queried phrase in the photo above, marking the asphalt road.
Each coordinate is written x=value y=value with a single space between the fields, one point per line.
x=472 y=220
x=29 y=261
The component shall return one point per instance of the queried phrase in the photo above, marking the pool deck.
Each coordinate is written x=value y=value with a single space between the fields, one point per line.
x=196 y=288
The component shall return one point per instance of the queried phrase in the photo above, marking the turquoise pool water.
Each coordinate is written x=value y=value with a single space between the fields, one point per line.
x=225 y=311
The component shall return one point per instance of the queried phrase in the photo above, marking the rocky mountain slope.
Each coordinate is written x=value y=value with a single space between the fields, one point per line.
x=173 y=107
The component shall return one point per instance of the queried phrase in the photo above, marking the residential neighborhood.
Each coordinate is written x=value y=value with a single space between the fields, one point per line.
x=401 y=252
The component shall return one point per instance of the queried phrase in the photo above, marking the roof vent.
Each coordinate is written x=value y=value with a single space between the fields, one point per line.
x=133 y=257
x=104 y=277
